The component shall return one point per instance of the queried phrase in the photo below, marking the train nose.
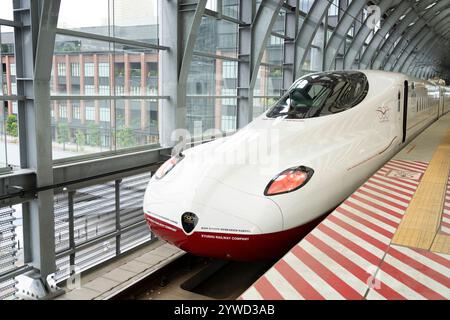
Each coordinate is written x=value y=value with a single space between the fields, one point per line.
x=237 y=226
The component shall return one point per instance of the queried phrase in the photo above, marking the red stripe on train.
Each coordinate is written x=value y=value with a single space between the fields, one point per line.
x=243 y=247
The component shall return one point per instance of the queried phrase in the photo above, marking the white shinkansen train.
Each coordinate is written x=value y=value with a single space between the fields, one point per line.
x=256 y=193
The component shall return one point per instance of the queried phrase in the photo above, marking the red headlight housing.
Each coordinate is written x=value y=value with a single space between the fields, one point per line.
x=167 y=166
x=289 y=180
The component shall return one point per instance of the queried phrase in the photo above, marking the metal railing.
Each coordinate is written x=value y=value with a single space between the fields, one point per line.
x=8 y=251
x=97 y=223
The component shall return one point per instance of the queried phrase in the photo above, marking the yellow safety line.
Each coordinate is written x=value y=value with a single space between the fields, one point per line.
x=441 y=243
x=420 y=224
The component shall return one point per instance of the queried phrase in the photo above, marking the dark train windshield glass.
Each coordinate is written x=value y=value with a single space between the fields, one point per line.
x=321 y=94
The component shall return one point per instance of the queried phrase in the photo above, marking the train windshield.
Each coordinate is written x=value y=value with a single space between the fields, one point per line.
x=321 y=94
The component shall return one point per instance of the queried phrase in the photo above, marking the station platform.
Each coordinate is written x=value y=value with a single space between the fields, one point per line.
x=389 y=240
x=115 y=277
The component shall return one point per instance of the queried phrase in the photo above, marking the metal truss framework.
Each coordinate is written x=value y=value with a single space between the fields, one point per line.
x=406 y=41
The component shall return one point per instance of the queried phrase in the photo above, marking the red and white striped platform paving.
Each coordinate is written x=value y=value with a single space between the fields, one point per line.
x=349 y=256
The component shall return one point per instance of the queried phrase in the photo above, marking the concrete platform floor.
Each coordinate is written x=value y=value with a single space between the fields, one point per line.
x=107 y=281
x=423 y=146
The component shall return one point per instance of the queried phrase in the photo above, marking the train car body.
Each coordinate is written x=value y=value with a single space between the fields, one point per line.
x=256 y=193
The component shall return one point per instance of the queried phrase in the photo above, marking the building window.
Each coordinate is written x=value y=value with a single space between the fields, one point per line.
x=135 y=69
x=136 y=91
x=103 y=90
x=89 y=90
x=152 y=68
x=228 y=92
x=62 y=111
x=15 y=108
x=103 y=70
x=13 y=88
x=13 y=69
x=305 y=5
x=334 y=8
x=105 y=114
x=228 y=123
x=90 y=113
x=120 y=90
x=105 y=141
x=229 y=69
x=61 y=69
x=152 y=91
x=76 y=112
x=89 y=69
x=275 y=41
x=75 y=69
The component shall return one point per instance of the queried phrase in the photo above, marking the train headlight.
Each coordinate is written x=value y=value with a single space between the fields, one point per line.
x=167 y=166
x=289 y=180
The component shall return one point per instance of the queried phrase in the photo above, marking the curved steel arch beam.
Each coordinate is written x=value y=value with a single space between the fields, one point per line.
x=425 y=50
x=253 y=36
x=191 y=23
x=307 y=32
x=439 y=19
x=430 y=73
x=426 y=54
x=388 y=44
x=419 y=60
x=421 y=72
x=409 y=34
x=291 y=23
x=425 y=57
x=361 y=36
x=174 y=115
x=430 y=45
x=340 y=32
x=368 y=55
x=416 y=45
x=424 y=72
x=442 y=28
x=444 y=34
x=417 y=72
x=261 y=30
x=401 y=45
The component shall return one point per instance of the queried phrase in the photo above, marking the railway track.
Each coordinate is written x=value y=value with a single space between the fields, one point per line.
x=196 y=278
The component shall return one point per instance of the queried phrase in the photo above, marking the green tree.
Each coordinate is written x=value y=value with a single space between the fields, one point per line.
x=125 y=137
x=276 y=72
x=94 y=135
x=11 y=125
x=63 y=134
x=80 y=139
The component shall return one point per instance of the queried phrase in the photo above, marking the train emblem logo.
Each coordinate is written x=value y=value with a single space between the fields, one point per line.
x=404 y=174
x=383 y=113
